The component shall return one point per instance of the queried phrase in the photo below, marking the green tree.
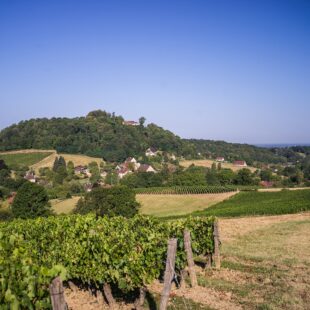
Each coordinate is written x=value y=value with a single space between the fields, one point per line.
x=70 y=168
x=142 y=121
x=60 y=175
x=94 y=170
x=244 y=177
x=31 y=201
x=117 y=200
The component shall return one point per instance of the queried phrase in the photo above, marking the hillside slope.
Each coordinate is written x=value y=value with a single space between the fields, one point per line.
x=104 y=135
x=99 y=134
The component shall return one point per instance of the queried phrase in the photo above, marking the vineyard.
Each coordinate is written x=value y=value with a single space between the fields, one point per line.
x=125 y=253
x=185 y=190
x=260 y=203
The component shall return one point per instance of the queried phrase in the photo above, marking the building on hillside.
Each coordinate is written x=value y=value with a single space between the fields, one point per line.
x=146 y=168
x=88 y=187
x=240 y=163
x=130 y=123
x=151 y=151
x=220 y=159
x=131 y=160
x=131 y=164
x=80 y=169
x=103 y=173
x=11 y=198
x=124 y=171
x=173 y=157
x=266 y=184
x=30 y=176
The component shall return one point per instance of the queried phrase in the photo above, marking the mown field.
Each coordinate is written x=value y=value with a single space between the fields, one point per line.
x=64 y=206
x=208 y=163
x=266 y=262
x=37 y=159
x=261 y=203
x=76 y=159
x=169 y=205
x=24 y=159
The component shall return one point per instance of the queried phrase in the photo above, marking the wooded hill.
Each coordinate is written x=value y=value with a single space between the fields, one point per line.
x=99 y=134
x=105 y=135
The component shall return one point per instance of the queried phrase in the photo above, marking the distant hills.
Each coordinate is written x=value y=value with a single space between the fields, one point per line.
x=105 y=135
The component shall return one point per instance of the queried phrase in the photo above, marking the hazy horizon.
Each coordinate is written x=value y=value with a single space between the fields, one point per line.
x=234 y=71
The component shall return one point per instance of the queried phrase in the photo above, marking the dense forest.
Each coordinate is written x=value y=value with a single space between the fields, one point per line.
x=105 y=135
x=99 y=134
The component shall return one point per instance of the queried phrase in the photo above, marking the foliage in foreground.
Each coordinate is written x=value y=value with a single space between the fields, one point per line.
x=261 y=203
x=127 y=253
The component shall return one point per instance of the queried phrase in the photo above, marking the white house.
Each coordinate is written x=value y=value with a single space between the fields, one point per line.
x=151 y=151
x=30 y=176
x=220 y=159
x=240 y=163
x=146 y=168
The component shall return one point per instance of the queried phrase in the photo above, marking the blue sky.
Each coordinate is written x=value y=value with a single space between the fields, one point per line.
x=230 y=70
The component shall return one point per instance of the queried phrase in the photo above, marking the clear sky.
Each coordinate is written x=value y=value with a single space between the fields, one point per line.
x=231 y=70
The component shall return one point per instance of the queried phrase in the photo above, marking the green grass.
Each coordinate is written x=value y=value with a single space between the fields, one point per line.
x=261 y=203
x=23 y=159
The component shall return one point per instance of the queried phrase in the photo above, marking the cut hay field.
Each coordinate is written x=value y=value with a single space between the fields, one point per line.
x=37 y=159
x=265 y=264
x=208 y=164
x=64 y=206
x=20 y=158
x=76 y=159
x=170 y=205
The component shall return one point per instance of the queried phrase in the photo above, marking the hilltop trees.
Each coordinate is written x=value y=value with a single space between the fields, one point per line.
x=31 y=201
x=99 y=134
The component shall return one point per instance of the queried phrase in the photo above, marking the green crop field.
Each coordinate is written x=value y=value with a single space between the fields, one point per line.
x=23 y=159
x=261 y=203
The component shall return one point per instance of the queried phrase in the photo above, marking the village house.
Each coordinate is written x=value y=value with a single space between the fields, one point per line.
x=11 y=197
x=240 y=163
x=266 y=184
x=151 y=151
x=130 y=123
x=131 y=163
x=103 y=173
x=30 y=176
x=220 y=159
x=80 y=169
x=88 y=187
x=124 y=171
x=146 y=168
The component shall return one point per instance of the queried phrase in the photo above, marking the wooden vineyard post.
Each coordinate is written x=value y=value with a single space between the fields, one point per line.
x=190 y=260
x=183 y=280
x=216 y=254
x=108 y=295
x=209 y=260
x=139 y=302
x=169 y=273
x=57 y=295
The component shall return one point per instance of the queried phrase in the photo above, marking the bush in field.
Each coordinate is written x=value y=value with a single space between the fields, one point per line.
x=118 y=200
x=31 y=201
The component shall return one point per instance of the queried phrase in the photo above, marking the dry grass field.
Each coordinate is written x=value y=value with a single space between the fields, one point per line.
x=64 y=206
x=76 y=159
x=208 y=163
x=49 y=160
x=170 y=205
